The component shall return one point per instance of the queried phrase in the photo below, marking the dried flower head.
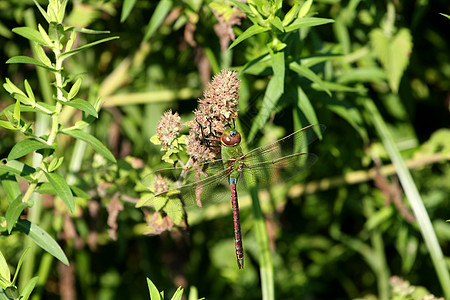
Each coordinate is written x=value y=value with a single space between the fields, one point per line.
x=217 y=109
x=168 y=129
x=198 y=150
x=161 y=184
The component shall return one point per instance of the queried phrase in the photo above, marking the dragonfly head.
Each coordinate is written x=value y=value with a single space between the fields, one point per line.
x=230 y=138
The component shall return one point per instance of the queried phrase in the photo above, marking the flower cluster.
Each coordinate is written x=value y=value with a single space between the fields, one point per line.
x=168 y=129
x=217 y=109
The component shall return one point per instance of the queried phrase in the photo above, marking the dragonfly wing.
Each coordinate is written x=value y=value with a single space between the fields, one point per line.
x=296 y=142
x=198 y=186
x=277 y=170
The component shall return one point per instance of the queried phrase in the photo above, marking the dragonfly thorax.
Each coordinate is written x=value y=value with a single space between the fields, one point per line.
x=230 y=138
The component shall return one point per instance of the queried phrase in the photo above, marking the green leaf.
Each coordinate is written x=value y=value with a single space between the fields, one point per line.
x=306 y=107
x=305 y=8
x=307 y=22
x=71 y=40
x=42 y=56
x=86 y=30
x=274 y=90
x=29 y=60
x=24 y=147
x=4 y=272
x=74 y=89
x=17 y=112
x=271 y=97
x=83 y=105
x=55 y=163
x=362 y=74
x=10 y=186
x=127 y=7
x=11 y=88
x=45 y=36
x=92 y=141
x=161 y=11
x=84 y=47
x=17 y=167
x=43 y=12
x=29 y=287
x=13 y=212
x=154 y=293
x=29 y=91
x=306 y=72
x=7 y=125
x=393 y=53
x=178 y=294
x=31 y=34
x=19 y=265
x=447 y=16
x=276 y=22
x=62 y=189
x=251 y=31
x=243 y=6
x=79 y=192
x=291 y=14
x=42 y=239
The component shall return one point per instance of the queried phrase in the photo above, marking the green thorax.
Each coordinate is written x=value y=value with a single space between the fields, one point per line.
x=231 y=149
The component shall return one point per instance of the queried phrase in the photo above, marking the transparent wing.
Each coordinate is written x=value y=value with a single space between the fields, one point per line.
x=296 y=142
x=284 y=158
x=198 y=186
x=280 y=169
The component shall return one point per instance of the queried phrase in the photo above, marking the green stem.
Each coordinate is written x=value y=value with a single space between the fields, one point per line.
x=265 y=257
x=414 y=198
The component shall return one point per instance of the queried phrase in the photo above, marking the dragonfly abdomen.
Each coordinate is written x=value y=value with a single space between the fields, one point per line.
x=237 y=224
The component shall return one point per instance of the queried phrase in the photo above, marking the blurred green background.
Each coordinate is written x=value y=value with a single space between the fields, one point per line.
x=338 y=233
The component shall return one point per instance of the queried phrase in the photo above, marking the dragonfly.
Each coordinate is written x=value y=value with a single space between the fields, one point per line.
x=208 y=182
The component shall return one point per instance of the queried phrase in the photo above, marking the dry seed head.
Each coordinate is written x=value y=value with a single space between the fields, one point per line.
x=168 y=129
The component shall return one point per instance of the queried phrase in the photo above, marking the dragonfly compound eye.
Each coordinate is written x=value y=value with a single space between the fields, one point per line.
x=231 y=138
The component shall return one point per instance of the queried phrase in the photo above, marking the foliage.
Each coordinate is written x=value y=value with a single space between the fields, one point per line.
x=373 y=206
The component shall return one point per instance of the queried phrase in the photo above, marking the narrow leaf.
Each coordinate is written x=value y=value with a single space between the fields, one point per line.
x=86 y=30
x=4 y=271
x=92 y=141
x=71 y=40
x=43 y=12
x=251 y=31
x=306 y=72
x=29 y=91
x=84 y=47
x=42 y=239
x=305 y=8
x=7 y=125
x=17 y=111
x=42 y=56
x=307 y=22
x=10 y=186
x=13 y=212
x=24 y=147
x=29 y=60
x=154 y=293
x=178 y=294
x=19 y=265
x=84 y=106
x=29 y=287
x=62 y=189
x=306 y=107
x=127 y=7
x=17 y=167
x=45 y=36
x=74 y=89
x=30 y=34
x=161 y=11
